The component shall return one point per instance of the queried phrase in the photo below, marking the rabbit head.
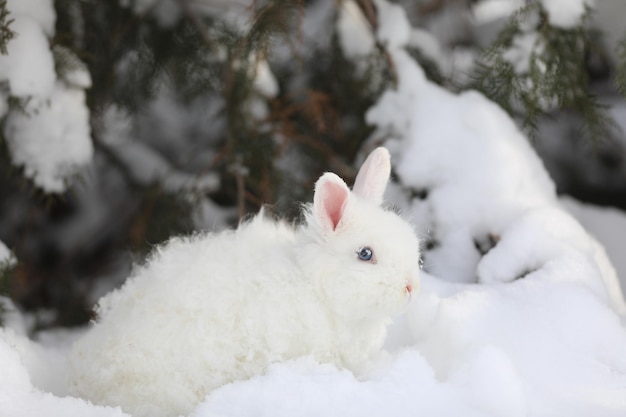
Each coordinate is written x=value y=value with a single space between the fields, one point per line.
x=363 y=259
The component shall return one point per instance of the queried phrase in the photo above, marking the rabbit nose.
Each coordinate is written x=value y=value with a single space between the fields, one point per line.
x=411 y=282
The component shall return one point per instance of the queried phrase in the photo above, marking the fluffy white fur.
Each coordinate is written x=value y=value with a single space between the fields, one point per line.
x=214 y=308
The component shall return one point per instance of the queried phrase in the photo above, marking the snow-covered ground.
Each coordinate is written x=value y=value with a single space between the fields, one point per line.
x=519 y=311
x=607 y=225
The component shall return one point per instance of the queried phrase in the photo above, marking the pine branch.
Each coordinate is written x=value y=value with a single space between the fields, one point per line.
x=620 y=75
x=431 y=68
x=250 y=142
x=6 y=34
x=273 y=18
x=556 y=75
x=496 y=77
x=567 y=80
x=6 y=269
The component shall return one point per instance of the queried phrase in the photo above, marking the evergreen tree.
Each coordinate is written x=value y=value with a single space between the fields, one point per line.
x=535 y=67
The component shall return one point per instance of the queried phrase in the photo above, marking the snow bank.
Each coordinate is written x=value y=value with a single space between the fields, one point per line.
x=564 y=348
x=18 y=398
x=607 y=225
x=304 y=388
x=471 y=181
x=521 y=312
x=33 y=374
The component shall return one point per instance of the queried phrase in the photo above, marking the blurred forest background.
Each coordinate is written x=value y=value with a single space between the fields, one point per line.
x=190 y=114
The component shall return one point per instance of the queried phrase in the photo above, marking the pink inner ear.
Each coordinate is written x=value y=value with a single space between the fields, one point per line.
x=334 y=203
x=331 y=196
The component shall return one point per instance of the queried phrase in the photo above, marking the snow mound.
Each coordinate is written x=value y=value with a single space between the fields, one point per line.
x=18 y=397
x=407 y=388
x=476 y=190
x=607 y=225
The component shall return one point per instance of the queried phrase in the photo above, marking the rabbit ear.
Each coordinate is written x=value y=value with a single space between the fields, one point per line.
x=329 y=201
x=371 y=180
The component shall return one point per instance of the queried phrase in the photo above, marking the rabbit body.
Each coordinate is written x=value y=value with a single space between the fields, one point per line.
x=210 y=309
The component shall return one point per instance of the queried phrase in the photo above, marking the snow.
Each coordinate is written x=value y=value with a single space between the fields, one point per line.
x=456 y=63
x=51 y=139
x=566 y=14
x=406 y=388
x=355 y=36
x=607 y=225
x=519 y=55
x=427 y=44
x=167 y=12
x=144 y=164
x=519 y=311
x=28 y=67
x=42 y=11
x=265 y=86
x=489 y=10
x=48 y=133
x=561 y=344
x=264 y=81
x=73 y=71
x=33 y=373
x=393 y=29
x=5 y=254
x=18 y=397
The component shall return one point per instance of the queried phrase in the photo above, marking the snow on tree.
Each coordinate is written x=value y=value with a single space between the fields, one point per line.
x=47 y=129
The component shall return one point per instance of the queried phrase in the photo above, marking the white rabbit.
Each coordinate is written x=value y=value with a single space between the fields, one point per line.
x=210 y=309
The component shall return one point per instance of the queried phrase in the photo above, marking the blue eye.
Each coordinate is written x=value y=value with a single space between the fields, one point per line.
x=365 y=253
